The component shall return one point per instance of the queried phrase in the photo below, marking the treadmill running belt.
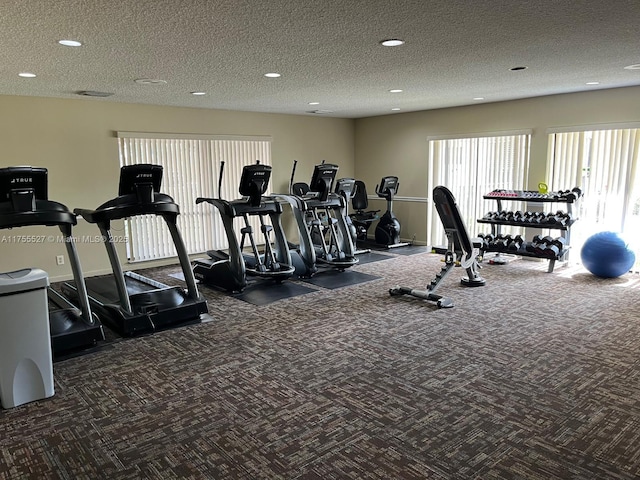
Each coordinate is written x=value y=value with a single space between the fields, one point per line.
x=105 y=287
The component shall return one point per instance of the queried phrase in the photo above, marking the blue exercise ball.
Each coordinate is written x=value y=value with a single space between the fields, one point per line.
x=607 y=255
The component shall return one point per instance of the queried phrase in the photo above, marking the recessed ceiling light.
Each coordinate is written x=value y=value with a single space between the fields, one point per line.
x=150 y=81
x=94 y=93
x=515 y=69
x=70 y=43
x=198 y=93
x=272 y=75
x=478 y=98
x=395 y=90
x=314 y=103
x=26 y=75
x=392 y=42
x=395 y=109
x=592 y=83
x=633 y=67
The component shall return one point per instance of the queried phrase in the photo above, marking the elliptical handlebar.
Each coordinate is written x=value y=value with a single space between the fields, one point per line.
x=220 y=180
x=293 y=174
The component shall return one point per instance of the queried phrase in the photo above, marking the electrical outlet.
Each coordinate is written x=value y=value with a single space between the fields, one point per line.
x=60 y=260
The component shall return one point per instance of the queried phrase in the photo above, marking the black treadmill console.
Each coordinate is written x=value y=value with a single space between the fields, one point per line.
x=141 y=180
x=388 y=187
x=322 y=179
x=22 y=186
x=254 y=182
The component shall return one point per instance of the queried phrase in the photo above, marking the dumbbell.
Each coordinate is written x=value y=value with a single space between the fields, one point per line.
x=573 y=194
x=536 y=242
x=533 y=217
x=552 y=219
x=548 y=219
x=517 y=216
x=570 y=195
x=551 y=247
x=558 y=246
x=567 y=219
x=487 y=241
x=515 y=244
x=530 y=246
x=537 y=217
x=502 y=241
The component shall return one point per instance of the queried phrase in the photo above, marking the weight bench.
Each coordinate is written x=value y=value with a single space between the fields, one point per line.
x=461 y=250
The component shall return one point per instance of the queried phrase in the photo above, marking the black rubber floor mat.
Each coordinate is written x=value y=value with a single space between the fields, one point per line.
x=337 y=279
x=372 y=257
x=263 y=293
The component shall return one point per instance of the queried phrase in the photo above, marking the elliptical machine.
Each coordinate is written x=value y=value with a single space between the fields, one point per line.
x=229 y=271
x=388 y=228
x=310 y=206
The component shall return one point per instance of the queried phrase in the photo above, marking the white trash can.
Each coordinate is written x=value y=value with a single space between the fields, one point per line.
x=26 y=364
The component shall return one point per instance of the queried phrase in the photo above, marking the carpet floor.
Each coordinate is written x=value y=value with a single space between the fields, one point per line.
x=534 y=376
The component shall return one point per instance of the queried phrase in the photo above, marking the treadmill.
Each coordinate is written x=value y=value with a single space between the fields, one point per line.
x=24 y=202
x=128 y=302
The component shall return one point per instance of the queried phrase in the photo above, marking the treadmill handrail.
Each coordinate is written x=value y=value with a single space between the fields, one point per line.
x=50 y=213
x=127 y=206
x=47 y=213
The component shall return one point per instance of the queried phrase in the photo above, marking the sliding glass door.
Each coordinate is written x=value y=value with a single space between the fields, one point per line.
x=604 y=164
x=473 y=167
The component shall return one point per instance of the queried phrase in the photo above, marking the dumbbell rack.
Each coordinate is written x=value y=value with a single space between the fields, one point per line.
x=569 y=198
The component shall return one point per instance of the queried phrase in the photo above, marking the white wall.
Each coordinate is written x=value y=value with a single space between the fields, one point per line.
x=398 y=144
x=75 y=140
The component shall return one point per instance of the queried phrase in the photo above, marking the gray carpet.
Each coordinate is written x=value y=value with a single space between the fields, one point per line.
x=533 y=376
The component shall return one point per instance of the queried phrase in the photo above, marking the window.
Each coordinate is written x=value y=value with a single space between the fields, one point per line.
x=472 y=167
x=604 y=164
x=191 y=170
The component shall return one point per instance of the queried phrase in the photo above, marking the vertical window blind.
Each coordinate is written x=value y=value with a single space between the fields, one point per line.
x=191 y=170
x=604 y=164
x=472 y=167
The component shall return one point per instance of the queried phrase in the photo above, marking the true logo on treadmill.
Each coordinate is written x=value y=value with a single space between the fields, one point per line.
x=22 y=180
x=144 y=175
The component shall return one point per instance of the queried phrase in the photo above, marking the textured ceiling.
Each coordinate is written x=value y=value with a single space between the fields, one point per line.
x=327 y=51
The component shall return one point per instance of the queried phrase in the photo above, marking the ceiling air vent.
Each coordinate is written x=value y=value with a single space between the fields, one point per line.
x=320 y=112
x=94 y=93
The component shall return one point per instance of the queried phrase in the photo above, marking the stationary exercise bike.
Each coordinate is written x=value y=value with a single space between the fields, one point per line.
x=362 y=218
x=387 y=231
